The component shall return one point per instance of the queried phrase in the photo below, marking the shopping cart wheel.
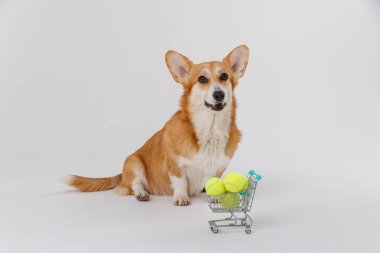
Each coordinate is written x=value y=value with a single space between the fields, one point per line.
x=243 y=222
x=214 y=229
x=248 y=231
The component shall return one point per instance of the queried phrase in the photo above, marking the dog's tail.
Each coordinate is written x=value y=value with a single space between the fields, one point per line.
x=86 y=184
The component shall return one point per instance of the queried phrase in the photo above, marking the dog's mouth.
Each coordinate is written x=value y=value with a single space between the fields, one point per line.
x=216 y=107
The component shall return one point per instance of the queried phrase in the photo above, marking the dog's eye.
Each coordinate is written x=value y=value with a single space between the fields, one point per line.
x=224 y=77
x=202 y=79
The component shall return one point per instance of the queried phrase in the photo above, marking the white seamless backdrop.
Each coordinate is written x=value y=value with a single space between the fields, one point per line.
x=84 y=83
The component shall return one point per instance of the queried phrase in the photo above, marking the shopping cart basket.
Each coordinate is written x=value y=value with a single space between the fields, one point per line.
x=240 y=202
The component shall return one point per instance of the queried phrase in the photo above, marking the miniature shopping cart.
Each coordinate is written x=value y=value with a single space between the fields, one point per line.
x=240 y=202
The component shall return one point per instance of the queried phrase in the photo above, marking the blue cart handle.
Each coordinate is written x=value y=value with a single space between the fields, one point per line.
x=255 y=175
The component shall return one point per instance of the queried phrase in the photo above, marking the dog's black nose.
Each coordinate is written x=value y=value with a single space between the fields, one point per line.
x=218 y=95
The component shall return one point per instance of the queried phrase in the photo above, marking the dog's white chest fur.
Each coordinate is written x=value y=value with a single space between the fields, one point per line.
x=212 y=130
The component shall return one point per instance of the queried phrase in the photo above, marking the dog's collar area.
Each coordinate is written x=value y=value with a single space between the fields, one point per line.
x=216 y=107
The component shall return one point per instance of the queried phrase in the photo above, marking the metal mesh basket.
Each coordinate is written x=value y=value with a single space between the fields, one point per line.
x=235 y=203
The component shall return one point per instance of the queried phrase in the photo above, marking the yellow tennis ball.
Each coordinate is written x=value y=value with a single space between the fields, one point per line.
x=235 y=182
x=230 y=201
x=215 y=186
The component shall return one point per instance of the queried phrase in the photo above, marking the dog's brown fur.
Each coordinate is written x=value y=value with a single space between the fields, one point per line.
x=156 y=159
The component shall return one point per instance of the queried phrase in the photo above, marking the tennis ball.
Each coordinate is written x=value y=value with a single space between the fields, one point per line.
x=230 y=201
x=235 y=182
x=215 y=186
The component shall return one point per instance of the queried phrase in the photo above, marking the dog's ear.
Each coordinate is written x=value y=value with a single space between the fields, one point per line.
x=237 y=59
x=179 y=66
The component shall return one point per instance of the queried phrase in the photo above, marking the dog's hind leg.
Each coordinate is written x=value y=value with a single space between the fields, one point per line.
x=134 y=179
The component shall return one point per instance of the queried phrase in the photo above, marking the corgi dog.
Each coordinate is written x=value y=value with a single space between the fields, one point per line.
x=196 y=144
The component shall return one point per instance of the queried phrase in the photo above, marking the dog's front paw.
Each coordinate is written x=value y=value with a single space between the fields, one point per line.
x=182 y=200
x=142 y=196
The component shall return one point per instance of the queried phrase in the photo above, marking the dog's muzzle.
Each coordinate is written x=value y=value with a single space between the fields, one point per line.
x=216 y=107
